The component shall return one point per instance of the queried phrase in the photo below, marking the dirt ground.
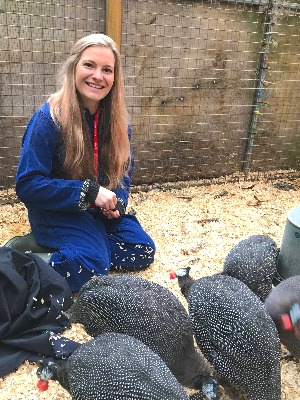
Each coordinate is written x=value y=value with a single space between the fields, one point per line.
x=194 y=225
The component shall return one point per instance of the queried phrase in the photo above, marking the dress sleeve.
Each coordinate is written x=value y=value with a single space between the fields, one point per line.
x=34 y=185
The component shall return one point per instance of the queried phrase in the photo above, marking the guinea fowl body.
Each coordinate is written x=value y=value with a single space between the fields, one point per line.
x=236 y=334
x=149 y=312
x=279 y=302
x=254 y=262
x=115 y=367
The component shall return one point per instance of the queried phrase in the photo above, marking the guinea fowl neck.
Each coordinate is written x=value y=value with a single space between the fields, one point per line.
x=185 y=283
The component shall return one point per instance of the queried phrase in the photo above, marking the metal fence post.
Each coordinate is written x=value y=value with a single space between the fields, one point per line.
x=261 y=72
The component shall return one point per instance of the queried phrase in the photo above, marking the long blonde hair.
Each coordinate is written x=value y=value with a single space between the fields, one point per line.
x=67 y=110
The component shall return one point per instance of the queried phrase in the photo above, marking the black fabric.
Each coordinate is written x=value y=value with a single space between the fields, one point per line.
x=120 y=206
x=32 y=298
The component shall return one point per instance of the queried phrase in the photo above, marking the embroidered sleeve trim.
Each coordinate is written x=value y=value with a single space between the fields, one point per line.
x=83 y=204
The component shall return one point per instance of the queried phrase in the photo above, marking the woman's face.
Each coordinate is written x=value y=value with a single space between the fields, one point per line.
x=94 y=76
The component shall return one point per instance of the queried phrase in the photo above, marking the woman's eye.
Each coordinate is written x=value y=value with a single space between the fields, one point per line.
x=87 y=64
x=108 y=70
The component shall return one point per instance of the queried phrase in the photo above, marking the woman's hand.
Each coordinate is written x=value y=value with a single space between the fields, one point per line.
x=106 y=200
x=117 y=212
x=110 y=214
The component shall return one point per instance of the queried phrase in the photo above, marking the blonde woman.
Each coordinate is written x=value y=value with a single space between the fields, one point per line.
x=75 y=169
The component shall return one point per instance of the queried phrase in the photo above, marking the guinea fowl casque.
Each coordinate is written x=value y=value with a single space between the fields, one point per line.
x=151 y=313
x=115 y=366
x=254 y=262
x=284 y=300
x=235 y=333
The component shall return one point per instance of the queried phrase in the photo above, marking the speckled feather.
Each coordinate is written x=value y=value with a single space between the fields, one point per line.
x=118 y=367
x=237 y=335
x=279 y=302
x=254 y=262
x=148 y=311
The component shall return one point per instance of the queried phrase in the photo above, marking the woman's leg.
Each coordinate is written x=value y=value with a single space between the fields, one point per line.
x=132 y=249
x=82 y=243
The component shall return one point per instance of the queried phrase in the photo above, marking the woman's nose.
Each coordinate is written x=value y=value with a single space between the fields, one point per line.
x=97 y=73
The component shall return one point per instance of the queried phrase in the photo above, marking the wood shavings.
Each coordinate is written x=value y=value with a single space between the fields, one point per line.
x=284 y=186
x=254 y=203
x=224 y=193
x=192 y=225
x=206 y=220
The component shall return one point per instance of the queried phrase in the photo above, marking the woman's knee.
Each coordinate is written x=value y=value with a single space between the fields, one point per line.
x=134 y=258
x=77 y=267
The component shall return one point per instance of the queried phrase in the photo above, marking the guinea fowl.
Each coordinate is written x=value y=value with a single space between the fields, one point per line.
x=254 y=262
x=115 y=366
x=235 y=333
x=151 y=313
x=283 y=301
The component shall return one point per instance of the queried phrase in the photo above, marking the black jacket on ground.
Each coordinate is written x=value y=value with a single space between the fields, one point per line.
x=32 y=298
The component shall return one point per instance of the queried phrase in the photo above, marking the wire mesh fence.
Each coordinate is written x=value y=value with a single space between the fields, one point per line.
x=212 y=86
x=36 y=38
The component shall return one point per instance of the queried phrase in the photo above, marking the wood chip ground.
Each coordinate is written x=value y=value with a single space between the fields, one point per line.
x=192 y=225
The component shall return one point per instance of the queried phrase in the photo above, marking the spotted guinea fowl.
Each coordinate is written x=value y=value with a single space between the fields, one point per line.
x=235 y=333
x=114 y=366
x=151 y=313
x=254 y=262
x=283 y=302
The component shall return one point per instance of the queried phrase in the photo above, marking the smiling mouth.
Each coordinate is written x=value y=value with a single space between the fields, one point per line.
x=92 y=85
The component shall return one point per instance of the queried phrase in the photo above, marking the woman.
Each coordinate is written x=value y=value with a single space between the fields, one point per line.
x=75 y=168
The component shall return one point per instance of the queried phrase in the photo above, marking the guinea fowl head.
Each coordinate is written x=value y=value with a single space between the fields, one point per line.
x=295 y=317
x=49 y=370
x=46 y=370
x=291 y=321
x=184 y=280
x=210 y=391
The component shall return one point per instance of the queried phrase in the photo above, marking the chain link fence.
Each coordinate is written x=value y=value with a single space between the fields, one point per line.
x=212 y=86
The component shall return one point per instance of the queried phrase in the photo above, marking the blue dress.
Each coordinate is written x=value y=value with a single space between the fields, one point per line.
x=85 y=242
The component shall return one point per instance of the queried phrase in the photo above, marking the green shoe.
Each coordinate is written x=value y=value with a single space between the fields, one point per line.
x=28 y=244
